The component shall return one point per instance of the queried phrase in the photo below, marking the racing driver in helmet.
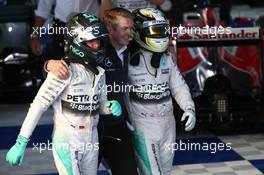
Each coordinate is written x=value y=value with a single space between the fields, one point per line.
x=76 y=101
x=154 y=79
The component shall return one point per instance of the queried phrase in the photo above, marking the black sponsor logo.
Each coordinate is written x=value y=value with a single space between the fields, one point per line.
x=150 y=92
x=165 y=71
x=81 y=98
x=81 y=108
x=150 y=97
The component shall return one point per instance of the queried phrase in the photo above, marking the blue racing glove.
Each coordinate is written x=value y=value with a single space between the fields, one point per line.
x=16 y=154
x=114 y=107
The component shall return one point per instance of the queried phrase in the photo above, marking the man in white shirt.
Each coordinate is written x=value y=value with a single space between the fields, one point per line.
x=62 y=11
x=127 y=4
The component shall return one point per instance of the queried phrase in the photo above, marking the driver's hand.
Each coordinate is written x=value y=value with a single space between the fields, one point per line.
x=59 y=68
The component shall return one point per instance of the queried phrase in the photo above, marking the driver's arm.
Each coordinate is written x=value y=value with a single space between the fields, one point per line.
x=58 y=67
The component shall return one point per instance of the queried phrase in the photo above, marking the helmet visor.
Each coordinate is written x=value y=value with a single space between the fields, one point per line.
x=96 y=44
x=155 y=29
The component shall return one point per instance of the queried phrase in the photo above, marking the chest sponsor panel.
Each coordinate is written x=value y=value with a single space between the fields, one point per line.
x=80 y=108
x=150 y=93
x=80 y=104
x=82 y=98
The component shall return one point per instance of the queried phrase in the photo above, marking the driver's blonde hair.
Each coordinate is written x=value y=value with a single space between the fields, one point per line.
x=110 y=16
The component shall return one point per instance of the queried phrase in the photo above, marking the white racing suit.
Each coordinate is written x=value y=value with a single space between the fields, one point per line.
x=76 y=103
x=151 y=111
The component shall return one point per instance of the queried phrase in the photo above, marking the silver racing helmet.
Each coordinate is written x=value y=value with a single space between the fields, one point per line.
x=85 y=27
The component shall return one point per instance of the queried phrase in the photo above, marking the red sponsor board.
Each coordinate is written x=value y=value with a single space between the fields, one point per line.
x=240 y=63
x=218 y=33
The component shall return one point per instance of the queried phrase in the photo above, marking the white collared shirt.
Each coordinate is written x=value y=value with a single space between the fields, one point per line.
x=64 y=8
x=120 y=53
